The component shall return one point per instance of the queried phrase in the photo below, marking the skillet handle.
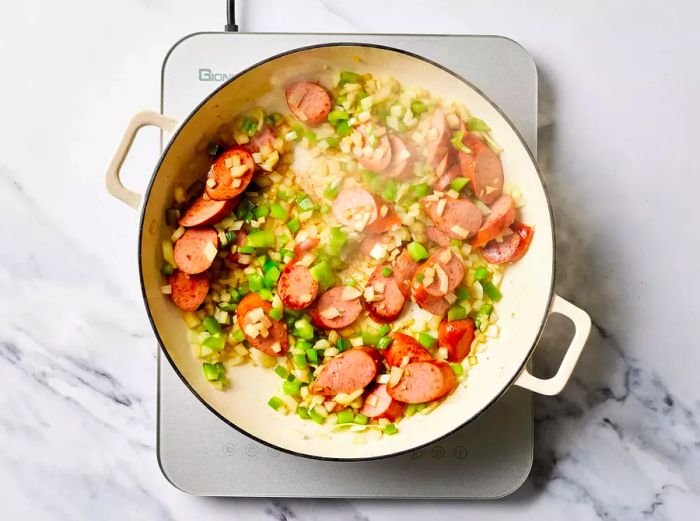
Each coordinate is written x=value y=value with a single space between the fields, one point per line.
x=112 y=180
x=554 y=385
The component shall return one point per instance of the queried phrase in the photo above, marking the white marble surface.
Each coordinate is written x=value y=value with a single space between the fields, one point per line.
x=619 y=106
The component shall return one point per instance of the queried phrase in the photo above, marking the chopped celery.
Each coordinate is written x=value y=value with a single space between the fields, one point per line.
x=342 y=128
x=458 y=144
x=384 y=342
x=214 y=372
x=458 y=184
x=419 y=277
x=167 y=269
x=293 y=225
x=275 y=402
x=292 y=388
x=243 y=290
x=478 y=125
x=337 y=240
x=324 y=274
x=228 y=306
x=211 y=325
x=249 y=126
x=417 y=251
x=456 y=243
x=271 y=277
x=316 y=417
x=246 y=250
x=420 y=190
x=491 y=291
x=303 y=413
x=276 y=314
x=265 y=294
x=390 y=190
x=312 y=356
x=457 y=368
x=255 y=282
x=260 y=239
x=342 y=344
x=332 y=141
x=303 y=329
x=286 y=255
x=333 y=189
x=238 y=335
x=274 y=119
x=385 y=329
x=277 y=211
x=337 y=115
x=418 y=107
x=371 y=338
x=390 y=429
x=300 y=361
x=361 y=419
x=481 y=274
x=387 y=271
x=283 y=196
x=262 y=210
x=306 y=204
x=348 y=77
x=426 y=339
x=456 y=313
x=216 y=342
x=281 y=371
x=346 y=416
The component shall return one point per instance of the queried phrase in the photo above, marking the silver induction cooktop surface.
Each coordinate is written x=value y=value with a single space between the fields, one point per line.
x=200 y=454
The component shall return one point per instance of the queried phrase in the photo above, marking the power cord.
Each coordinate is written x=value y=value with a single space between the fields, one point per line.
x=231 y=26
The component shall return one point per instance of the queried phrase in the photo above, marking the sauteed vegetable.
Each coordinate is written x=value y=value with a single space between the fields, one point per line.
x=354 y=245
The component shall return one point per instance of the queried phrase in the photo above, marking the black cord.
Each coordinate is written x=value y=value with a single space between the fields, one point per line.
x=231 y=26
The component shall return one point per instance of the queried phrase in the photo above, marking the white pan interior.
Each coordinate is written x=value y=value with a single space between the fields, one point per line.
x=526 y=286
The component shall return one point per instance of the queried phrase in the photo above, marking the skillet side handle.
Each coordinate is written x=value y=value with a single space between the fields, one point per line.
x=555 y=384
x=112 y=177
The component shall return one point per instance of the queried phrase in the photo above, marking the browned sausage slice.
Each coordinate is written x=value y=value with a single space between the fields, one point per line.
x=388 y=300
x=261 y=331
x=191 y=251
x=501 y=217
x=404 y=269
x=206 y=211
x=230 y=174
x=457 y=337
x=309 y=102
x=296 y=287
x=405 y=347
x=483 y=168
x=351 y=370
x=355 y=207
x=403 y=157
x=188 y=291
x=337 y=308
x=437 y=236
x=438 y=146
x=424 y=382
x=376 y=158
x=501 y=252
x=378 y=404
x=456 y=218
x=435 y=305
x=440 y=274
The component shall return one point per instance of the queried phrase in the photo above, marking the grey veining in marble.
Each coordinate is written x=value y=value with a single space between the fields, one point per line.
x=617 y=140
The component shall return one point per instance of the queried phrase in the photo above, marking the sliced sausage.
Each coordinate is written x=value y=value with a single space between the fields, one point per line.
x=511 y=248
x=437 y=236
x=296 y=287
x=405 y=347
x=444 y=181
x=230 y=174
x=378 y=404
x=309 y=102
x=351 y=370
x=386 y=218
x=190 y=250
x=457 y=336
x=390 y=298
x=423 y=382
x=305 y=246
x=438 y=147
x=483 y=168
x=206 y=211
x=501 y=217
x=456 y=218
x=440 y=274
x=188 y=291
x=376 y=158
x=435 y=305
x=355 y=207
x=404 y=269
x=403 y=157
x=261 y=331
x=337 y=308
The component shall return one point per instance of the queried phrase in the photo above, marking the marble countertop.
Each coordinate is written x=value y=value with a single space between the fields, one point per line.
x=619 y=107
